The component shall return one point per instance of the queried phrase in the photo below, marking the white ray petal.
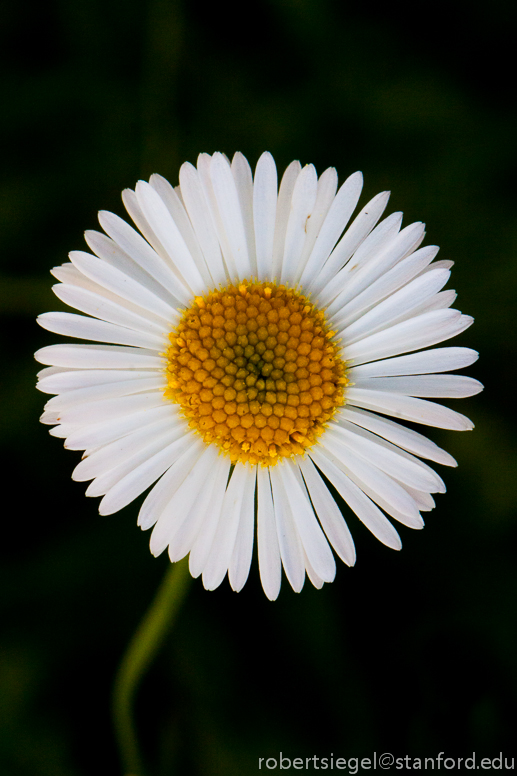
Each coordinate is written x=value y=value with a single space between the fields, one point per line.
x=205 y=538
x=243 y=178
x=337 y=218
x=158 y=498
x=403 y=301
x=181 y=501
x=72 y=325
x=123 y=285
x=110 y=390
x=270 y=563
x=129 y=479
x=313 y=539
x=219 y=558
x=125 y=490
x=420 y=332
x=367 y=512
x=329 y=286
x=326 y=192
x=399 y=435
x=355 y=235
x=289 y=542
x=432 y=386
x=283 y=209
x=107 y=310
x=240 y=562
x=204 y=162
x=397 y=277
x=264 y=213
x=164 y=226
x=163 y=271
x=99 y=357
x=189 y=524
x=230 y=212
x=408 y=408
x=331 y=519
x=199 y=214
x=302 y=203
x=176 y=208
x=362 y=275
x=82 y=437
x=64 y=381
x=428 y=361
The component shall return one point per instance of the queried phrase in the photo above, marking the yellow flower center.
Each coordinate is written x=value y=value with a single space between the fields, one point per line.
x=254 y=371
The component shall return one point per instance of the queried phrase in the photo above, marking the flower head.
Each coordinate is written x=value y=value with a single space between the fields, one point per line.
x=252 y=346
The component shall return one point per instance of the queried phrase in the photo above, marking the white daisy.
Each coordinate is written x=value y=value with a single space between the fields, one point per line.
x=251 y=344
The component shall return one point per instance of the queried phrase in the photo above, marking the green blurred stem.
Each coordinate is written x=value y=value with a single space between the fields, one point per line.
x=141 y=651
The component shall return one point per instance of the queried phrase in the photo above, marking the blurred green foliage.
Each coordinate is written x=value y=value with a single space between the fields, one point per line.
x=412 y=653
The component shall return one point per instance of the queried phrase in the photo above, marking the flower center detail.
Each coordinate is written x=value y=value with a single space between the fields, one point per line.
x=254 y=371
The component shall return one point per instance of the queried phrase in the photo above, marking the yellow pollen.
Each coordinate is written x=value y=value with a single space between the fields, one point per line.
x=255 y=372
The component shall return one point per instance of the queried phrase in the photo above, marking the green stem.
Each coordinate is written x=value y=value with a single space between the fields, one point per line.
x=141 y=651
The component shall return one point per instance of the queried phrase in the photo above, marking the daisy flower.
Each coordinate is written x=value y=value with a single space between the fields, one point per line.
x=253 y=339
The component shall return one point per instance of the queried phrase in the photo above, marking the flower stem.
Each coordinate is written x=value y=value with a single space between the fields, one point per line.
x=141 y=651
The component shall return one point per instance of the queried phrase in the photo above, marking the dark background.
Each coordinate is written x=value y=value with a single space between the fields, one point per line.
x=412 y=652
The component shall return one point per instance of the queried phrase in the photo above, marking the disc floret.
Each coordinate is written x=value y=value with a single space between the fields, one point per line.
x=255 y=371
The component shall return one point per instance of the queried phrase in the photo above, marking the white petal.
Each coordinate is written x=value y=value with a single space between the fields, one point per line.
x=199 y=213
x=383 y=287
x=112 y=254
x=358 y=502
x=337 y=218
x=164 y=226
x=420 y=332
x=357 y=232
x=283 y=209
x=224 y=540
x=128 y=287
x=313 y=539
x=205 y=538
x=99 y=357
x=161 y=494
x=437 y=360
x=178 y=213
x=63 y=381
x=204 y=170
x=407 y=408
x=326 y=192
x=369 y=475
x=240 y=562
x=403 y=301
x=331 y=519
x=182 y=499
x=399 y=435
x=189 y=524
x=106 y=309
x=71 y=325
x=109 y=456
x=231 y=216
x=332 y=286
x=432 y=386
x=136 y=247
x=387 y=457
x=270 y=563
x=363 y=273
x=243 y=178
x=302 y=203
x=141 y=477
x=109 y=390
x=84 y=437
x=289 y=542
x=109 y=409
x=264 y=213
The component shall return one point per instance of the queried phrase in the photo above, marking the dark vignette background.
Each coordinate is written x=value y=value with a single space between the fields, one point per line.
x=411 y=652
